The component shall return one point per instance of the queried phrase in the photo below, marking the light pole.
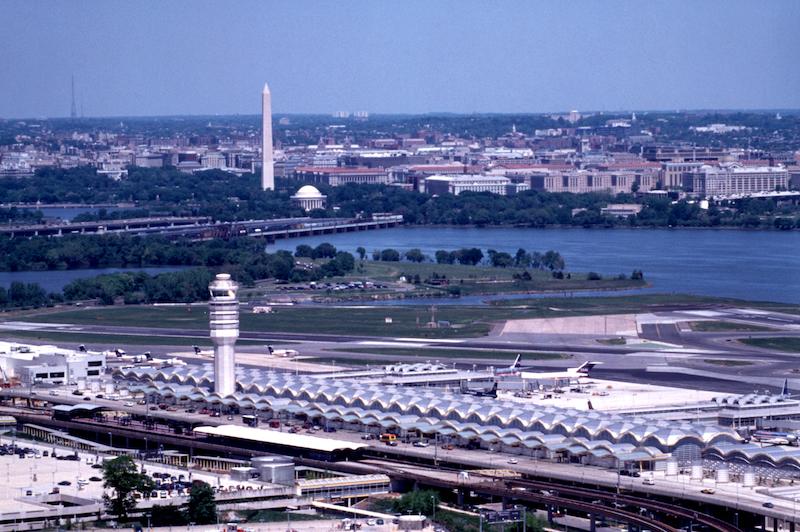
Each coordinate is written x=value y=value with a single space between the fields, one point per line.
x=433 y=504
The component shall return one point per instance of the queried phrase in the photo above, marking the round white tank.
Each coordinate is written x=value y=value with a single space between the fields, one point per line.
x=672 y=467
x=749 y=478
x=723 y=475
x=697 y=471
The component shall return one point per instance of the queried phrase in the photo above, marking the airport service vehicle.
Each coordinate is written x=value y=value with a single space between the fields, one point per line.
x=388 y=437
x=284 y=353
x=569 y=374
x=421 y=444
x=481 y=392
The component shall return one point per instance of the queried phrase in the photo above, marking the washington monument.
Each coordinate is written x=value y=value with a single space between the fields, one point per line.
x=267 y=171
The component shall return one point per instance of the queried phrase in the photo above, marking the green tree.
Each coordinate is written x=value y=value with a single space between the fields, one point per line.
x=121 y=476
x=361 y=252
x=201 y=508
x=470 y=256
x=303 y=250
x=444 y=257
x=390 y=255
x=324 y=251
x=415 y=255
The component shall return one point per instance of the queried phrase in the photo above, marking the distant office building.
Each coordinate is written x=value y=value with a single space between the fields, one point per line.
x=341 y=175
x=673 y=173
x=583 y=181
x=213 y=159
x=309 y=198
x=735 y=179
x=668 y=153
x=456 y=184
x=149 y=160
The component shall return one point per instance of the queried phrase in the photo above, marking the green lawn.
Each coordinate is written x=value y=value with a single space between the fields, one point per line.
x=727 y=362
x=612 y=341
x=431 y=354
x=778 y=343
x=405 y=321
x=724 y=326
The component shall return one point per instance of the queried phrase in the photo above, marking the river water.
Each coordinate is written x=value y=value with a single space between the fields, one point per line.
x=754 y=265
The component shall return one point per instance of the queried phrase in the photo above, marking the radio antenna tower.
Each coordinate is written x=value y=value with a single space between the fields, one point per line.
x=73 y=112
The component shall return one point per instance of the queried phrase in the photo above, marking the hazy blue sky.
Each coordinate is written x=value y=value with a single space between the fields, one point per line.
x=199 y=57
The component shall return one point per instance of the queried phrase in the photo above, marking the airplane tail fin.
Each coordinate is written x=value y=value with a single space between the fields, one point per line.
x=516 y=363
x=148 y=356
x=591 y=407
x=586 y=367
x=271 y=350
x=785 y=389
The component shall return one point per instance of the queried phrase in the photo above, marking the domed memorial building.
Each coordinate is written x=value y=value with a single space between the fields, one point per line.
x=309 y=198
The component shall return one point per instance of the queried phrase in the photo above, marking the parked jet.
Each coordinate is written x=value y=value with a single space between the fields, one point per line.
x=286 y=353
x=568 y=374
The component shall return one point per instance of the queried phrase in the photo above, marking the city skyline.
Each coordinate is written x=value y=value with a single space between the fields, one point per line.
x=468 y=58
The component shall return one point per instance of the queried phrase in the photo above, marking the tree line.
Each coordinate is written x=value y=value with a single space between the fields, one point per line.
x=244 y=259
x=228 y=197
x=548 y=260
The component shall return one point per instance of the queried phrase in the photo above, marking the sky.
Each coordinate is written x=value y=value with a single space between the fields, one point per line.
x=168 y=57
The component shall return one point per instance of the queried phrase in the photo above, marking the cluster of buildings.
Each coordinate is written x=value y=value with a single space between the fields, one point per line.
x=615 y=156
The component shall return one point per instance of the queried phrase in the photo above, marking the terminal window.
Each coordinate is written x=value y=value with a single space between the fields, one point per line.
x=93 y=372
x=57 y=375
x=95 y=363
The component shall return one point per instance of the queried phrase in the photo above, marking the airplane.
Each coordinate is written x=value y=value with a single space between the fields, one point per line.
x=578 y=373
x=199 y=352
x=480 y=392
x=511 y=371
x=282 y=352
x=146 y=359
x=773 y=438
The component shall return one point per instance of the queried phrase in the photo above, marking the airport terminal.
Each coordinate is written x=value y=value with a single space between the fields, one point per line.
x=374 y=428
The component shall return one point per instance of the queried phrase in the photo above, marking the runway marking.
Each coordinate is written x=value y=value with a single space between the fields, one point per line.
x=430 y=341
x=32 y=326
x=390 y=344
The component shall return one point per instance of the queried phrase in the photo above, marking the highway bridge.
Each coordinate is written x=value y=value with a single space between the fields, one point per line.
x=204 y=228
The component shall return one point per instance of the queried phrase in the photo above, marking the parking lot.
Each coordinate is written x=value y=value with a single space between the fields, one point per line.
x=38 y=473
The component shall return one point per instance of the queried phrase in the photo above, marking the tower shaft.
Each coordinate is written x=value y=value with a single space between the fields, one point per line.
x=223 y=315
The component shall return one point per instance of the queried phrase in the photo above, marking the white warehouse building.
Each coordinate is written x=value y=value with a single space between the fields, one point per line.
x=47 y=364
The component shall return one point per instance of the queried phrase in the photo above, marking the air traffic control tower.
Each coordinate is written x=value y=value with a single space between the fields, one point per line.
x=224 y=320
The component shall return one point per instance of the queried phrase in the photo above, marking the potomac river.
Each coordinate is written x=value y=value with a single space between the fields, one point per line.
x=754 y=265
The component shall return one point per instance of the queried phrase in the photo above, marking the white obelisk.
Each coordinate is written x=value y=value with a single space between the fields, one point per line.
x=267 y=171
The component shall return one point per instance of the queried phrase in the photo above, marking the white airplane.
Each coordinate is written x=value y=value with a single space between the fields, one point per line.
x=285 y=353
x=569 y=374
x=147 y=359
